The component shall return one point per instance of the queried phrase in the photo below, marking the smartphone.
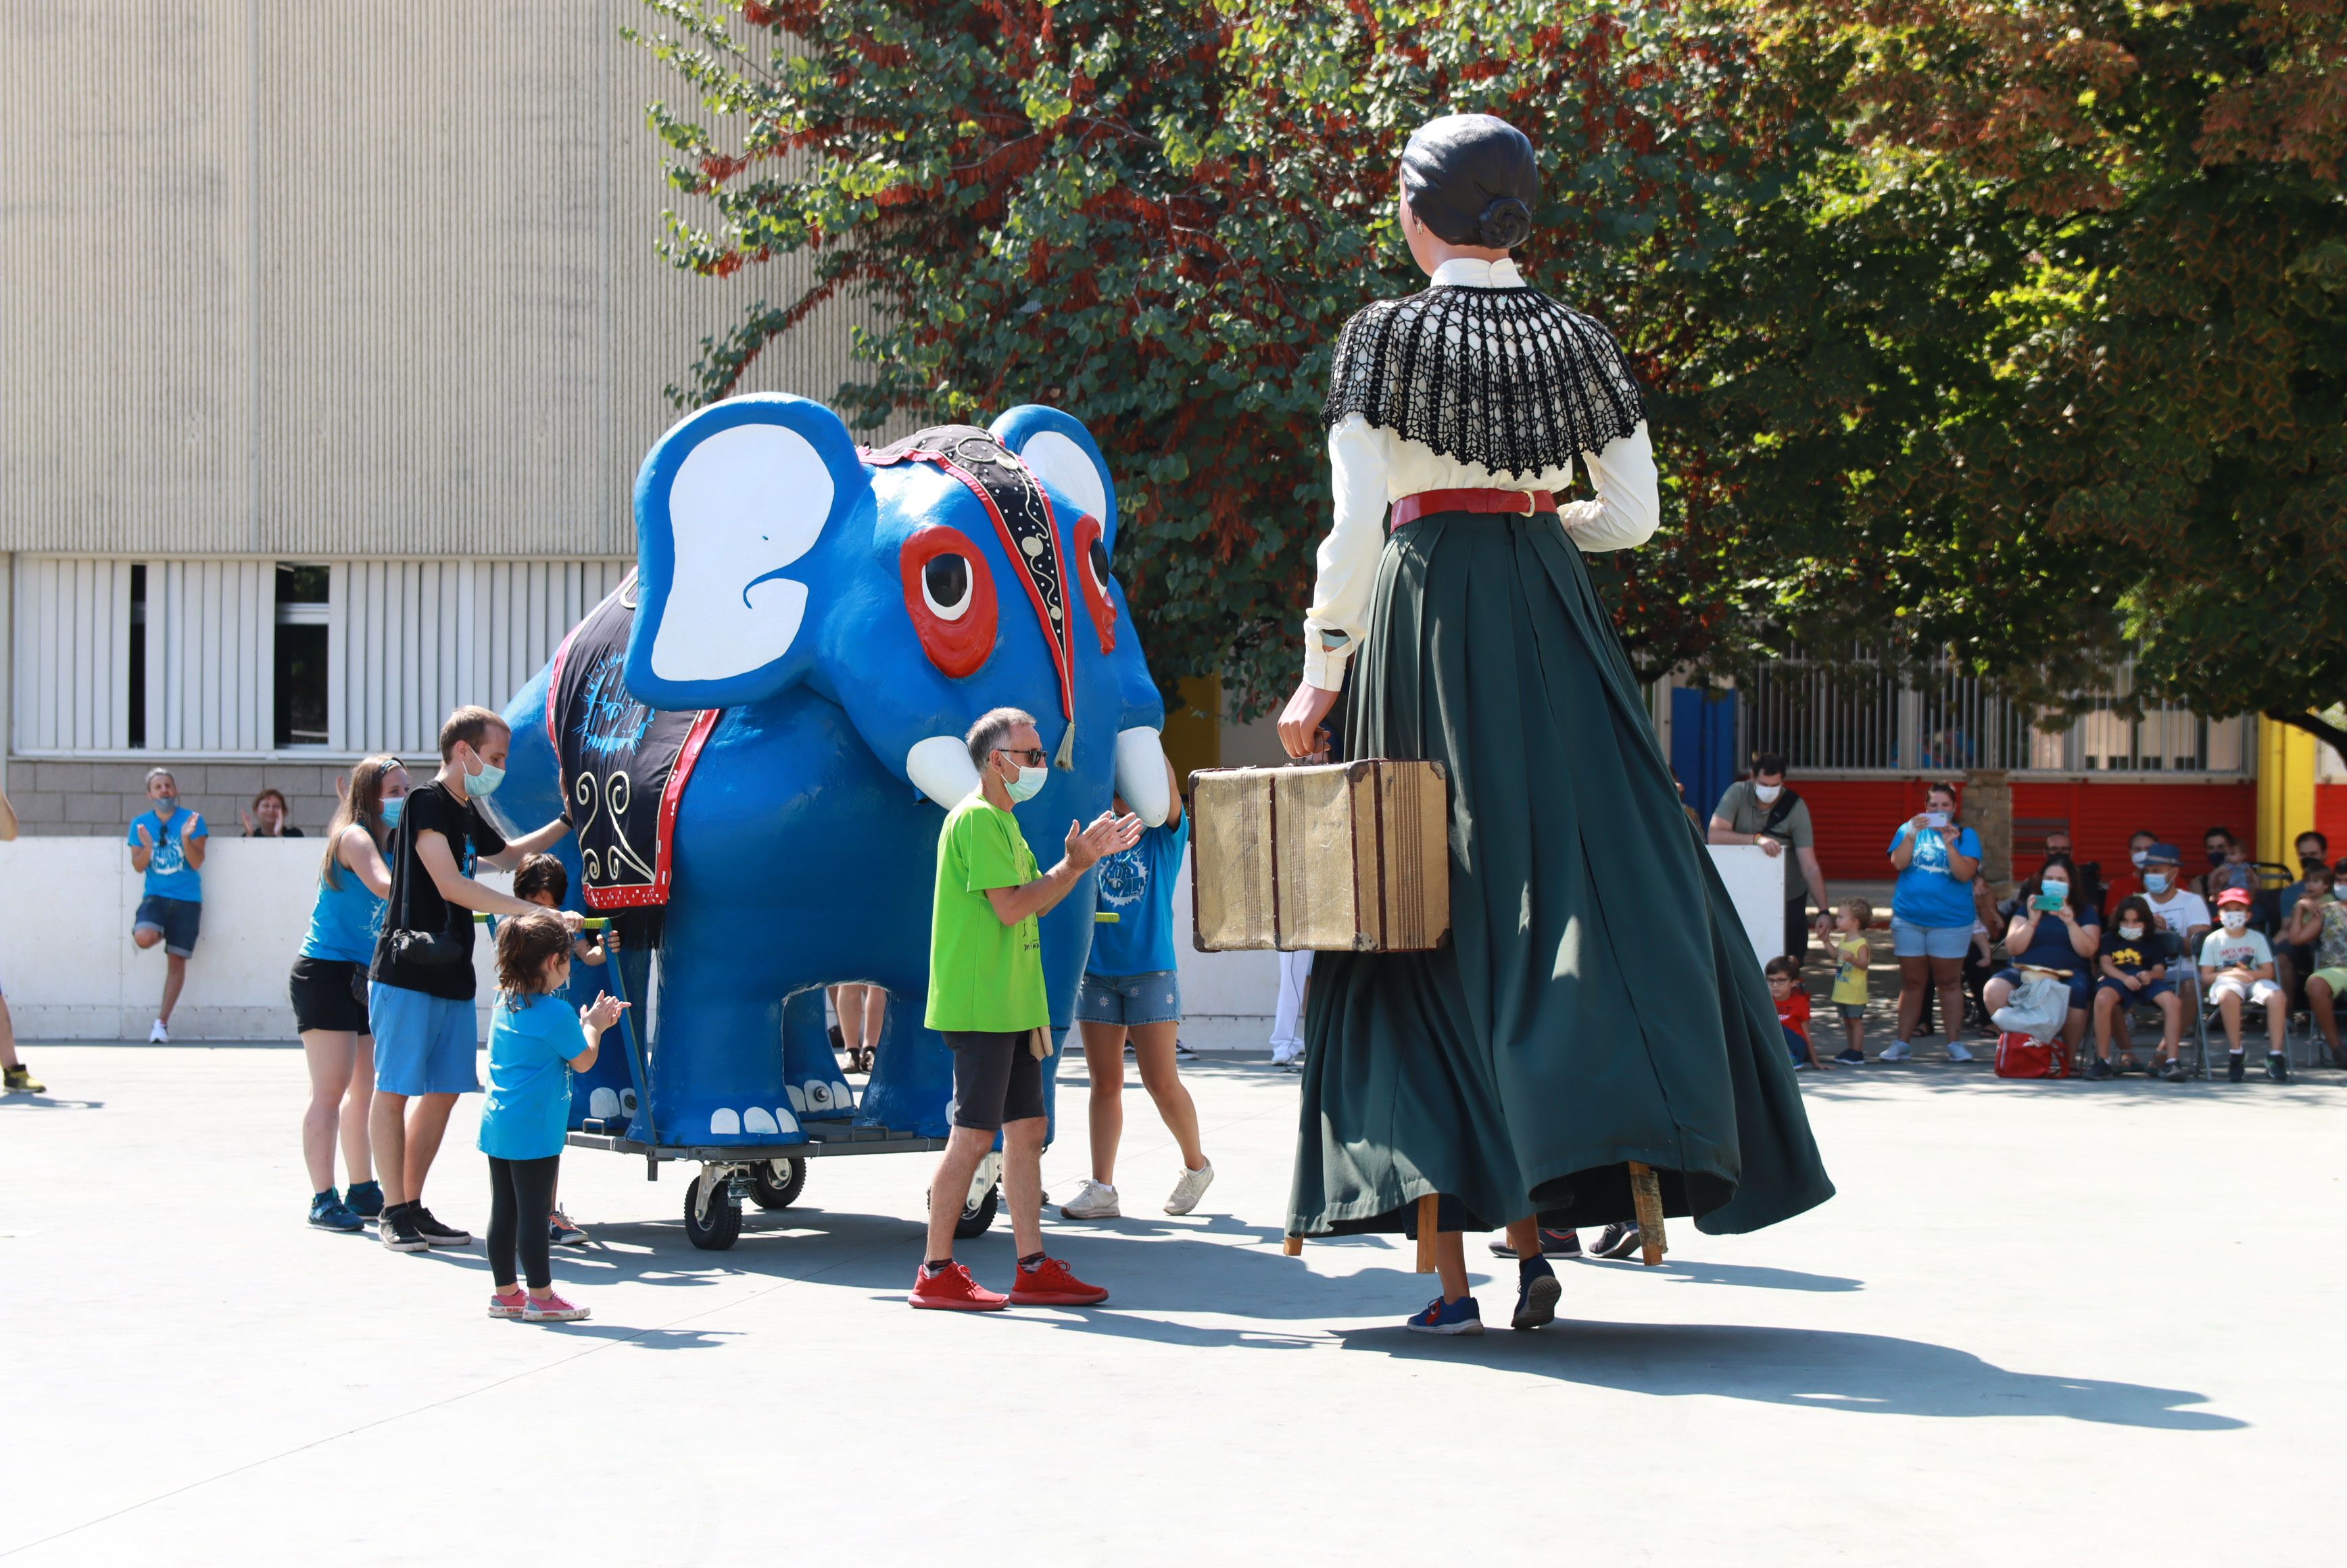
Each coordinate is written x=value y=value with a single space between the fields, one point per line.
x=1935 y=819
x=2046 y=904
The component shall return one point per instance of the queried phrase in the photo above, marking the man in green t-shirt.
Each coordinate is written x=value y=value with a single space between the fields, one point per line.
x=986 y=998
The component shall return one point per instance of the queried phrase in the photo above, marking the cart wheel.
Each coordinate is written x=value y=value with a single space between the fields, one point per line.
x=776 y=1184
x=724 y=1226
x=975 y=1220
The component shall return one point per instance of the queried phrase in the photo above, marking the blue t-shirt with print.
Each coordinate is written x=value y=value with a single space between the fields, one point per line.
x=169 y=875
x=1926 y=894
x=527 y=1110
x=1136 y=886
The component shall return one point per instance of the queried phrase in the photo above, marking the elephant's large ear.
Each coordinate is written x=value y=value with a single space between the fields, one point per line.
x=1059 y=447
x=726 y=503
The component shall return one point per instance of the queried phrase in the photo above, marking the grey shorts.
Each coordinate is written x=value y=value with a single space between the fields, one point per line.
x=1130 y=999
x=996 y=1079
x=1851 y=1009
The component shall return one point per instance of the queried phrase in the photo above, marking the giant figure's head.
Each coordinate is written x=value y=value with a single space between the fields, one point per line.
x=774 y=552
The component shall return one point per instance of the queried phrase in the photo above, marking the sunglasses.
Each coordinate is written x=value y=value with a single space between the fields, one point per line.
x=1031 y=757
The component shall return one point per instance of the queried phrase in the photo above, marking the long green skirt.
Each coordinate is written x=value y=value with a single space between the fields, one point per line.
x=1597 y=1001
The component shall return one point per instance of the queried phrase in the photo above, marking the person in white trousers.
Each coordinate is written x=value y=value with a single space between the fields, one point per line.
x=1288 y=1022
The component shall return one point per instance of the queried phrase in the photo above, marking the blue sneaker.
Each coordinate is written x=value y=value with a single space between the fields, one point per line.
x=364 y=1199
x=1851 y=1058
x=329 y=1213
x=1536 y=1294
x=1460 y=1317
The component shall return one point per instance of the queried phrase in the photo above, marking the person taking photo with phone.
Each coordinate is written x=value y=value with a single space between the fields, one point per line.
x=2051 y=932
x=1931 y=916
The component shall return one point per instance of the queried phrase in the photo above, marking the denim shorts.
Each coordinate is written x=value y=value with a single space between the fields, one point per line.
x=1130 y=999
x=1908 y=940
x=423 y=1044
x=178 y=918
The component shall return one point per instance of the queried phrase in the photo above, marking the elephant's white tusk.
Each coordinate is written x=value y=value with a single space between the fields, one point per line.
x=1141 y=775
x=940 y=768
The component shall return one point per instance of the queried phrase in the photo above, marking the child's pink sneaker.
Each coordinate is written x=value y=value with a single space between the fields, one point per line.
x=551 y=1309
x=507 y=1305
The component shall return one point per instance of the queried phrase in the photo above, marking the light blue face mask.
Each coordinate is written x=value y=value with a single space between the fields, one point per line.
x=2157 y=881
x=391 y=810
x=1024 y=787
x=2054 y=889
x=485 y=782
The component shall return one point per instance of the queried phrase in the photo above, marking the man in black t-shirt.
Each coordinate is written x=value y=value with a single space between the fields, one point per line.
x=421 y=1006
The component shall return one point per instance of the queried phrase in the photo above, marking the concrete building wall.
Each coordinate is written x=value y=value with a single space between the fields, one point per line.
x=294 y=279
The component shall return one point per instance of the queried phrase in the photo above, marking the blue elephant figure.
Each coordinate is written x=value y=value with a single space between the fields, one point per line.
x=851 y=614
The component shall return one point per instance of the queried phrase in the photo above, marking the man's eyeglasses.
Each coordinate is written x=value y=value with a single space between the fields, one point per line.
x=1031 y=757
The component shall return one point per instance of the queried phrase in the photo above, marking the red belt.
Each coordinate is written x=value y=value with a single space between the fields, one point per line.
x=1520 y=503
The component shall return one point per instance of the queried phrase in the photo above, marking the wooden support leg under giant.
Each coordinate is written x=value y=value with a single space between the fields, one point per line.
x=1646 y=1197
x=1430 y=1215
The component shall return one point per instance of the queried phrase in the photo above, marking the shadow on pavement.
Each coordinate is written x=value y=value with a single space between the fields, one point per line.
x=1871 y=1374
x=47 y=1102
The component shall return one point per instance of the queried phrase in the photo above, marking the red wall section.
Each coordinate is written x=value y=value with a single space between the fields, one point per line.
x=1855 y=818
x=2331 y=816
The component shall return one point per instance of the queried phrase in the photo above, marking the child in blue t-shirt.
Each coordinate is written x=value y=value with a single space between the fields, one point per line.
x=2133 y=966
x=167 y=843
x=536 y=1043
x=1132 y=989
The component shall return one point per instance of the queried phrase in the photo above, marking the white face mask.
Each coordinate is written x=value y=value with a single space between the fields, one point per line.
x=2138 y=859
x=1766 y=793
x=2235 y=918
x=2131 y=933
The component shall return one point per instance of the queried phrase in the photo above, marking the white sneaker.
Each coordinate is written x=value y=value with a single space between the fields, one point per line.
x=1189 y=1189
x=1285 y=1052
x=1092 y=1202
x=158 y=1035
x=1895 y=1051
x=1956 y=1052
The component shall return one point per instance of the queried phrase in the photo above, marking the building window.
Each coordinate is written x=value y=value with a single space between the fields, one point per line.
x=302 y=613
x=136 y=665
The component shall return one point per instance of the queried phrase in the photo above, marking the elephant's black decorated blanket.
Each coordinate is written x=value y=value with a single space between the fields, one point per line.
x=624 y=765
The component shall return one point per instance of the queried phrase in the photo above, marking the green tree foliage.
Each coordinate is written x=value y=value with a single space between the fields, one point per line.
x=2160 y=454
x=2005 y=327
x=1157 y=216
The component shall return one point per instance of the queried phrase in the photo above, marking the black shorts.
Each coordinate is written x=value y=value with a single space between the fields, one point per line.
x=996 y=1079
x=329 y=993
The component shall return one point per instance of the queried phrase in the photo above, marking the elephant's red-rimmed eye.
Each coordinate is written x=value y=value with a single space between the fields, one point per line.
x=949 y=594
x=1092 y=548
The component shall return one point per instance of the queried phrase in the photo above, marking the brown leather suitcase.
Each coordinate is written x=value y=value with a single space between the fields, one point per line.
x=1345 y=857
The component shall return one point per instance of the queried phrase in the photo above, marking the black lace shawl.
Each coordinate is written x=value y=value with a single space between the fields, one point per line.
x=1507 y=378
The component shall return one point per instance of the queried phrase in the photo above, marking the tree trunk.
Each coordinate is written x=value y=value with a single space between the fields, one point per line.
x=2314 y=724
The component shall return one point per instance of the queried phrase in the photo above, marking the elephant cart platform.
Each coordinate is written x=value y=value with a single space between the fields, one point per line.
x=773 y=1175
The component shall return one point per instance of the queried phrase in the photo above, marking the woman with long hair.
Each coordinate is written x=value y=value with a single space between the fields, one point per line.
x=329 y=987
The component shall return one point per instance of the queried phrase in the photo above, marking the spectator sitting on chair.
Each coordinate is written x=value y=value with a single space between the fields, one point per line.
x=2134 y=966
x=2293 y=960
x=1937 y=859
x=2180 y=912
x=2318 y=921
x=167 y=843
x=269 y=818
x=2237 y=966
x=1761 y=810
x=2130 y=882
x=2229 y=866
x=2049 y=931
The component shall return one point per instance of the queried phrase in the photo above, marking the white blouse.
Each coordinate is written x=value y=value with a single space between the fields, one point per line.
x=1371 y=468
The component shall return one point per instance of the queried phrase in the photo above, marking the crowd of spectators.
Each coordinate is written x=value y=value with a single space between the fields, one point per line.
x=2158 y=944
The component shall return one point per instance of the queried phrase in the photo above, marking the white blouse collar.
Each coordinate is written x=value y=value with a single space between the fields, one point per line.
x=1467 y=272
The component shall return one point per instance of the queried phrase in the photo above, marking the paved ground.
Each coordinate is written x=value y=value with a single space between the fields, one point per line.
x=2042 y=1323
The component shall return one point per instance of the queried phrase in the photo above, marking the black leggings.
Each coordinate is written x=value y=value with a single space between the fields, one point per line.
x=521 y=1196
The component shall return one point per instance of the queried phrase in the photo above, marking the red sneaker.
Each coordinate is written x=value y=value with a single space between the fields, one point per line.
x=953 y=1290
x=1049 y=1284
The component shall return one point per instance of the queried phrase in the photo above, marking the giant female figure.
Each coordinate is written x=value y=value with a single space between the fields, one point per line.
x=1598 y=1003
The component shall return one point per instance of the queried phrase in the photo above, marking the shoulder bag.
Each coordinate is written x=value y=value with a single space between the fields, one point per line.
x=424 y=949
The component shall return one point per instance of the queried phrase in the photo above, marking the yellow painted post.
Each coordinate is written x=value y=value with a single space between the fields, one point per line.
x=1193 y=733
x=2286 y=764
